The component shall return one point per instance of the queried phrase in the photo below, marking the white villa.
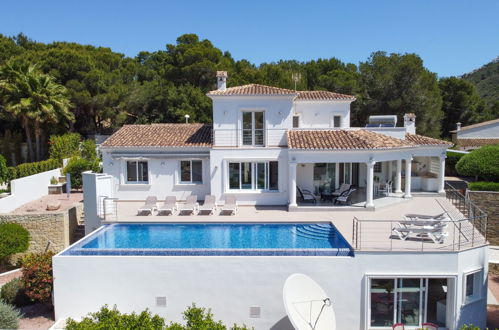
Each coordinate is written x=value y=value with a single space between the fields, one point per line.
x=282 y=153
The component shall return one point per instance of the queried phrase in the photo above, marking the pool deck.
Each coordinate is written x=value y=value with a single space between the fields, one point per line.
x=375 y=235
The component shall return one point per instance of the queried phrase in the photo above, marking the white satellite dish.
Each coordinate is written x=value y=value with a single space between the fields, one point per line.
x=307 y=305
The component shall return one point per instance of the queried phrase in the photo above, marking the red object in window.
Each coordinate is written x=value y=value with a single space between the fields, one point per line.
x=398 y=326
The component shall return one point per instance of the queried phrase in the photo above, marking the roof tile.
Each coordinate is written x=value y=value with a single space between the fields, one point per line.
x=425 y=140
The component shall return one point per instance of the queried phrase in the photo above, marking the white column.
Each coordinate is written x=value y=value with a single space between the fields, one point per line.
x=292 y=185
x=441 y=174
x=337 y=176
x=370 y=183
x=408 y=177
x=398 y=177
x=390 y=170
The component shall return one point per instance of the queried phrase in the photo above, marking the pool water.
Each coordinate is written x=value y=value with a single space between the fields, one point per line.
x=321 y=238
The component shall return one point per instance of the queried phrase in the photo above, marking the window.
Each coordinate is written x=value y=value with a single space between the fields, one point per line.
x=253 y=128
x=191 y=171
x=324 y=177
x=137 y=172
x=253 y=176
x=472 y=286
x=377 y=167
x=296 y=121
x=337 y=121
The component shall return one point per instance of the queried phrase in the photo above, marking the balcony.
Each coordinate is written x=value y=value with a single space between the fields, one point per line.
x=272 y=137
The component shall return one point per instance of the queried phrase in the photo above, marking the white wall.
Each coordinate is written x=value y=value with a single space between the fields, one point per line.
x=230 y=285
x=487 y=131
x=320 y=114
x=26 y=189
x=96 y=186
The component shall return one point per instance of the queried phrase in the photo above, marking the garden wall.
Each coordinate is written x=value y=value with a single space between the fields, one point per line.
x=488 y=201
x=54 y=229
x=26 y=189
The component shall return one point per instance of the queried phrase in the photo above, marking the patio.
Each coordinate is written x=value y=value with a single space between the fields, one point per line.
x=373 y=230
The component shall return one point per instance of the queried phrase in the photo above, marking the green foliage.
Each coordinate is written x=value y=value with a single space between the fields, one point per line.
x=451 y=161
x=13 y=293
x=76 y=166
x=53 y=180
x=483 y=186
x=482 y=163
x=486 y=80
x=9 y=316
x=4 y=172
x=88 y=150
x=14 y=238
x=470 y=327
x=107 y=318
x=37 y=276
x=202 y=319
x=64 y=146
x=26 y=169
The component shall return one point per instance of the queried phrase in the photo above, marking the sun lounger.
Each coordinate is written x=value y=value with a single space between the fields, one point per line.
x=439 y=217
x=208 y=205
x=306 y=195
x=230 y=205
x=435 y=232
x=149 y=206
x=191 y=205
x=169 y=206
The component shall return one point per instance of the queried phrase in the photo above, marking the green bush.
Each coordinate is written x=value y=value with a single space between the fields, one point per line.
x=483 y=186
x=4 y=172
x=27 y=169
x=202 y=318
x=470 y=327
x=9 y=316
x=37 y=276
x=76 y=166
x=451 y=161
x=112 y=319
x=89 y=150
x=64 y=146
x=482 y=163
x=13 y=293
x=14 y=238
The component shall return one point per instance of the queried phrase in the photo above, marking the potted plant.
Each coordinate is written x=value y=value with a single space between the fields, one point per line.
x=55 y=187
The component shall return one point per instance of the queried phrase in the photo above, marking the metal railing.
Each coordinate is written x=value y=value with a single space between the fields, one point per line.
x=108 y=209
x=226 y=137
x=466 y=228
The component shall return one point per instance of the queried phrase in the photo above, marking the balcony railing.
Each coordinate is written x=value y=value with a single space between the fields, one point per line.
x=272 y=137
x=466 y=229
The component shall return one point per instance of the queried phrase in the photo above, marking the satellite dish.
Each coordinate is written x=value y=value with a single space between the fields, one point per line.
x=307 y=305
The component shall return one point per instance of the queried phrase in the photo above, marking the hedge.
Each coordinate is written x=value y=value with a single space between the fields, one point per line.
x=4 y=171
x=483 y=186
x=27 y=169
x=451 y=161
x=482 y=163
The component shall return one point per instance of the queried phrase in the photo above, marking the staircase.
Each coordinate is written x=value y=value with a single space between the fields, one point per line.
x=78 y=233
x=316 y=231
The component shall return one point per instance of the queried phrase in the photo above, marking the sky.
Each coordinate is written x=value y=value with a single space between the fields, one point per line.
x=451 y=36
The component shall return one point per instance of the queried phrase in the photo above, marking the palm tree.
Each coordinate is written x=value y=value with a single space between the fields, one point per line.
x=35 y=99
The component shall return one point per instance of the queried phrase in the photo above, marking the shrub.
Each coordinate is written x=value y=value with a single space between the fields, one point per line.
x=451 y=161
x=4 y=172
x=64 y=146
x=76 y=166
x=13 y=293
x=14 y=238
x=470 y=327
x=201 y=318
x=27 y=169
x=107 y=318
x=37 y=276
x=9 y=316
x=484 y=186
x=89 y=150
x=482 y=163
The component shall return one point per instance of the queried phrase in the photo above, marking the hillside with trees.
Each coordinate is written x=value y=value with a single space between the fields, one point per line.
x=54 y=88
x=486 y=80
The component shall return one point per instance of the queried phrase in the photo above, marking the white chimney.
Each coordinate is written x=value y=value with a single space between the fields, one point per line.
x=458 y=127
x=410 y=123
x=221 y=80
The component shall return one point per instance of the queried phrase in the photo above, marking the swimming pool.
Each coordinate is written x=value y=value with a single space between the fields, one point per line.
x=215 y=239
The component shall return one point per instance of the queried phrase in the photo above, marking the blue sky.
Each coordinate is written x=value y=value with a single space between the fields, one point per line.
x=452 y=36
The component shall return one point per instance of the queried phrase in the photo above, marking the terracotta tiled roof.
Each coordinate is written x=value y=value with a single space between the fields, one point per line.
x=425 y=140
x=256 y=89
x=485 y=123
x=467 y=143
x=343 y=140
x=322 y=95
x=161 y=135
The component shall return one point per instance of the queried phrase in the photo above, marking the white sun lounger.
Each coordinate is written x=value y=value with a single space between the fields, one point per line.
x=169 y=206
x=439 y=217
x=208 y=205
x=435 y=232
x=230 y=205
x=149 y=206
x=191 y=205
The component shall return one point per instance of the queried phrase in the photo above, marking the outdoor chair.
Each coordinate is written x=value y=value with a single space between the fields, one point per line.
x=436 y=232
x=169 y=206
x=149 y=206
x=344 y=198
x=209 y=204
x=230 y=205
x=306 y=195
x=343 y=188
x=438 y=217
x=385 y=188
x=191 y=205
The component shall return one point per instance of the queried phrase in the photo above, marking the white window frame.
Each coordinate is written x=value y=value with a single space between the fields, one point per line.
x=179 y=179
x=477 y=286
x=253 y=176
x=253 y=129
x=137 y=171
